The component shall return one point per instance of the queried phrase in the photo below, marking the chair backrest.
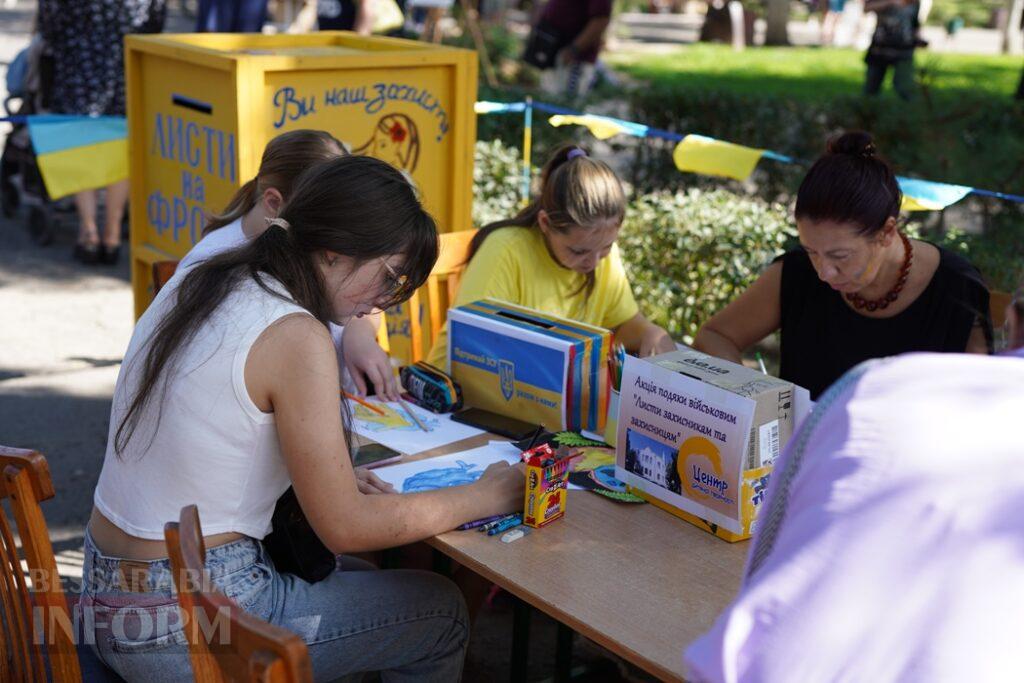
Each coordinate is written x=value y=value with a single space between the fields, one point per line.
x=24 y=484
x=226 y=643
x=162 y=272
x=997 y=303
x=454 y=248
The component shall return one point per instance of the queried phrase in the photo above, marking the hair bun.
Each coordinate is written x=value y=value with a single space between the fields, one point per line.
x=855 y=143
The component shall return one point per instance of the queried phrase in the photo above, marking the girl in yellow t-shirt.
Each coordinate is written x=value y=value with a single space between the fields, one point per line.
x=558 y=255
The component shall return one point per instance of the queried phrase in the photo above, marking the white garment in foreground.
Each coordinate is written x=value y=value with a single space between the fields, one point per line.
x=891 y=547
x=224 y=239
x=203 y=441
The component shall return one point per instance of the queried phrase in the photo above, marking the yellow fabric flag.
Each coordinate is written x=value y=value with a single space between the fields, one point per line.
x=601 y=127
x=701 y=154
x=83 y=168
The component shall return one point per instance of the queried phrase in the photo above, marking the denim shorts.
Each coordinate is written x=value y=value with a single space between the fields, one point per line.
x=409 y=625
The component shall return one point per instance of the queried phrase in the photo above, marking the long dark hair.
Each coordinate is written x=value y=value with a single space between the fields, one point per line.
x=576 y=192
x=284 y=159
x=850 y=183
x=358 y=207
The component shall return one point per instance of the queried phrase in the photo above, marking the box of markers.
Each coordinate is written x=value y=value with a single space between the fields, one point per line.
x=547 y=475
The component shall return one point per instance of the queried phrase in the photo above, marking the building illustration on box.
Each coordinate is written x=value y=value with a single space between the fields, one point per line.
x=648 y=458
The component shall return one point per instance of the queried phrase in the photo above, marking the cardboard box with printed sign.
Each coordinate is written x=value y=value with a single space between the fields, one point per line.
x=698 y=436
x=519 y=362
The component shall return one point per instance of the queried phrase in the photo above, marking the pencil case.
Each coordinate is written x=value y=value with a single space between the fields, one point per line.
x=432 y=388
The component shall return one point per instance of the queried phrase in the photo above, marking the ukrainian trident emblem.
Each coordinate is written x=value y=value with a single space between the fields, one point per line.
x=507 y=375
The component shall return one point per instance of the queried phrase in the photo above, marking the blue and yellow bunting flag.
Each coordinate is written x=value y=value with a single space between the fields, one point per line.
x=484 y=107
x=602 y=127
x=700 y=154
x=925 y=195
x=78 y=153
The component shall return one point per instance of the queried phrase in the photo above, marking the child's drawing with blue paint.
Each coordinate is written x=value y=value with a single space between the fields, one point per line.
x=442 y=478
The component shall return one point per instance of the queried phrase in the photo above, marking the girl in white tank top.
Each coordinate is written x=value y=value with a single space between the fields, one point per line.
x=229 y=394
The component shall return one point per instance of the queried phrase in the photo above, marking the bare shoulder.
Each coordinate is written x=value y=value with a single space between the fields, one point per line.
x=296 y=348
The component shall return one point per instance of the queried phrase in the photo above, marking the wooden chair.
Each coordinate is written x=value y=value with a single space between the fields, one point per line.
x=239 y=646
x=450 y=263
x=25 y=484
x=162 y=272
x=997 y=303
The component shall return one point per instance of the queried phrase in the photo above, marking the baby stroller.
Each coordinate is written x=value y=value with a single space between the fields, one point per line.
x=29 y=83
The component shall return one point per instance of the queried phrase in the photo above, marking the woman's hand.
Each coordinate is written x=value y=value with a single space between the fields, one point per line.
x=366 y=362
x=501 y=487
x=370 y=483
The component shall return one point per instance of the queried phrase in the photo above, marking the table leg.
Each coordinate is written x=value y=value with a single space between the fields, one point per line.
x=521 y=613
x=563 y=654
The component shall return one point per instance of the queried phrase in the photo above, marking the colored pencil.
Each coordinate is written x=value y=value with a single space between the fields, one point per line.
x=406 y=408
x=761 y=361
x=364 y=403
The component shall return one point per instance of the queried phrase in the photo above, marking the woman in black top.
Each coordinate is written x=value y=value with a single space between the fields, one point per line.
x=857 y=288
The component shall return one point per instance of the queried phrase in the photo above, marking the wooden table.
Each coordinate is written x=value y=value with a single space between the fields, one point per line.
x=632 y=578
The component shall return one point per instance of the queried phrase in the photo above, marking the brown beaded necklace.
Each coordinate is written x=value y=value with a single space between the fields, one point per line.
x=883 y=301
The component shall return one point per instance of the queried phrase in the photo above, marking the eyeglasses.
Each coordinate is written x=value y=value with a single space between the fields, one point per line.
x=395 y=284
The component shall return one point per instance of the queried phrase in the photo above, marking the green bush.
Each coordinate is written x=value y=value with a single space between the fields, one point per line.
x=690 y=253
x=497 y=179
x=998 y=254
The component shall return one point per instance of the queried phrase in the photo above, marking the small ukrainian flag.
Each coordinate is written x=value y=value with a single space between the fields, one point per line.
x=925 y=195
x=77 y=153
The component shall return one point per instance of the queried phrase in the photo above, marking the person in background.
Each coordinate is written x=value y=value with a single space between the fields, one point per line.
x=231 y=16
x=86 y=39
x=888 y=548
x=580 y=26
x=559 y=256
x=858 y=287
x=833 y=11
x=892 y=45
x=345 y=15
x=247 y=216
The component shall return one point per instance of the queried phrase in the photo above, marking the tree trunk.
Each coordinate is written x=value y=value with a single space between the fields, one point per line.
x=1012 y=37
x=776 y=18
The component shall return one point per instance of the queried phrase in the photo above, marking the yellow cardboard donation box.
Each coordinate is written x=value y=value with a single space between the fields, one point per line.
x=202 y=107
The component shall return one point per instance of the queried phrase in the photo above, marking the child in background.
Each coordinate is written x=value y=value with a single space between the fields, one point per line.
x=246 y=217
x=559 y=256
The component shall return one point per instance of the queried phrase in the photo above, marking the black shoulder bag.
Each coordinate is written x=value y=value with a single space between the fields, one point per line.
x=293 y=545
